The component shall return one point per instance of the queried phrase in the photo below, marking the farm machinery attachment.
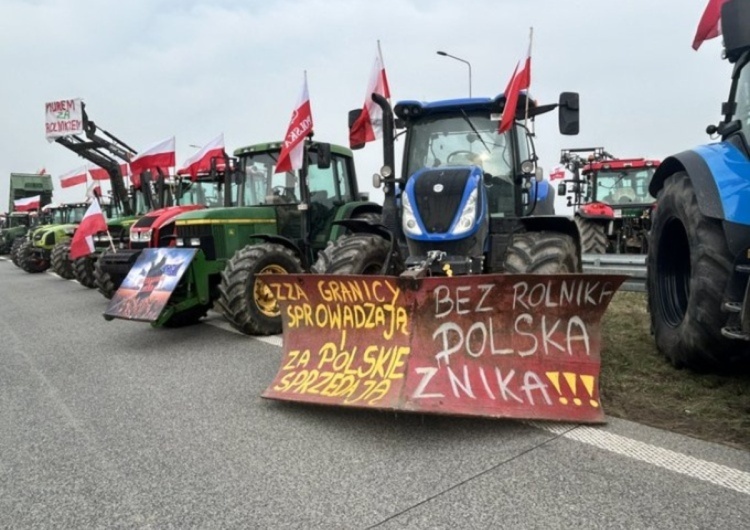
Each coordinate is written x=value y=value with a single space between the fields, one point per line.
x=468 y=297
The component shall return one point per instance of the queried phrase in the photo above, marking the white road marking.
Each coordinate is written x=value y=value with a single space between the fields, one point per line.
x=718 y=474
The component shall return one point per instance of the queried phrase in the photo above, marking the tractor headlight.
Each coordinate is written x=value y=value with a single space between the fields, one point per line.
x=143 y=237
x=179 y=242
x=195 y=241
x=409 y=221
x=468 y=215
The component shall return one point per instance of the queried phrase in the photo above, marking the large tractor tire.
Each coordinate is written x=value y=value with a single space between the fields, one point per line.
x=689 y=265
x=541 y=253
x=17 y=242
x=28 y=262
x=105 y=283
x=60 y=261
x=593 y=236
x=83 y=270
x=248 y=305
x=353 y=254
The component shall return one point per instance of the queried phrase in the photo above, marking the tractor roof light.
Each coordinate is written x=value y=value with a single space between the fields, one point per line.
x=386 y=171
x=376 y=181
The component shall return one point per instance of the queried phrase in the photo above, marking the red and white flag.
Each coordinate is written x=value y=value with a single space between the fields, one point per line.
x=98 y=173
x=94 y=191
x=200 y=162
x=300 y=126
x=160 y=155
x=369 y=124
x=709 y=26
x=557 y=173
x=521 y=80
x=73 y=177
x=93 y=222
x=27 y=203
x=42 y=171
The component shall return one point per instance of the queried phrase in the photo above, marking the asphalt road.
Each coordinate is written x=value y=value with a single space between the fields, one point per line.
x=116 y=424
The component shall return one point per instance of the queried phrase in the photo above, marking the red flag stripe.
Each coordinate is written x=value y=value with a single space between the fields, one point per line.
x=520 y=80
x=27 y=203
x=73 y=178
x=709 y=26
x=201 y=161
x=368 y=126
x=93 y=221
x=300 y=126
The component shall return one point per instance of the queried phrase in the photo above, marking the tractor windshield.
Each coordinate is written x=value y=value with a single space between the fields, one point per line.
x=77 y=213
x=623 y=186
x=18 y=220
x=451 y=140
x=206 y=192
x=742 y=98
x=263 y=185
x=58 y=216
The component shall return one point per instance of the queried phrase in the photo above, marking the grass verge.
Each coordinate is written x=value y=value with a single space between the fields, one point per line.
x=638 y=384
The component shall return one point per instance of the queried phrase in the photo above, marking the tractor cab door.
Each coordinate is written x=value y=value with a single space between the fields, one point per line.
x=330 y=189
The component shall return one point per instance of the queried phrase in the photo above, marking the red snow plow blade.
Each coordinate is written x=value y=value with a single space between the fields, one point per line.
x=501 y=346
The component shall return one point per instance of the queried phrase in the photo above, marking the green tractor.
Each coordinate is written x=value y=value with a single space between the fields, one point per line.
x=17 y=225
x=280 y=224
x=34 y=255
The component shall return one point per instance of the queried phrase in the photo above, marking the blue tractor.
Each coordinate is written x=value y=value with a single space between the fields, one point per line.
x=699 y=254
x=470 y=200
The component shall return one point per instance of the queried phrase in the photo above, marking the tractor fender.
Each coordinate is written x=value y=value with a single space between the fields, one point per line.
x=717 y=174
x=360 y=226
x=564 y=225
x=280 y=240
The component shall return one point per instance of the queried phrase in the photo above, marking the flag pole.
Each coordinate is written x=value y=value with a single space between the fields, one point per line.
x=526 y=113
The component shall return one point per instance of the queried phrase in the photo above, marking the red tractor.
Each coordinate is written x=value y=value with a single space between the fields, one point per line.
x=610 y=195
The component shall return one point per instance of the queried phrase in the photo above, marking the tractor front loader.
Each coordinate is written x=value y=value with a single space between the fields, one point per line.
x=467 y=298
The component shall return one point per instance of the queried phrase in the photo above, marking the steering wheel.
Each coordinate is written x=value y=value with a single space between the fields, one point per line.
x=284 y=192
x=468 y=156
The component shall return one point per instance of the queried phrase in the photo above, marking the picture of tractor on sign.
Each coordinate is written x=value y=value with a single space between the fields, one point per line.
x=610 y=196
x=277 y=223
x=212 y=189
x=444 y=306
x=699 y=257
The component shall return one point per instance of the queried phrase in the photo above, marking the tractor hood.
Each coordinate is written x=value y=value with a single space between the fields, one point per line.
x=163 y=216
x=241 y=214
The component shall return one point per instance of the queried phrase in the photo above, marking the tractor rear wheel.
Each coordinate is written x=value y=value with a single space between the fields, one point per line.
x=593 y=236
x=354 y=254
x=247 y=304
x=689 y=265
x=105 y=283
x=83 y=269
x=28 y=261
x=17 y=242
x=541 y=253
x=60 y=261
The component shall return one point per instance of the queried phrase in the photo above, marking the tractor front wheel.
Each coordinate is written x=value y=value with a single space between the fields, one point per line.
x=354 y=254
x=28 y=261
x=593 y=236
x=83 y=269
x=17 y=242
x=249 y=305
x=689 y=265
x=542 y=253
x=60 y=261
x=104 y=281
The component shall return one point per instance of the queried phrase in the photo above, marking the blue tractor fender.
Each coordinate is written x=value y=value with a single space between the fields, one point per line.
x=720 y=174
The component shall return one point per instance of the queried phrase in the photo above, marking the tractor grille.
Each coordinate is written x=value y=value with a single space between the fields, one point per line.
x=438 y=209
x=202 y=232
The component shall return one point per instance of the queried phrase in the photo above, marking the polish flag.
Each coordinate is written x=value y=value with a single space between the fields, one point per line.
x=300 y=126
x=73 y=178
x=42 y=171
x=369 y=124
x=98 y=173
x=709 y=26
x=557 y=173
x=521 y=80
x=93 y=222
x=27 y=203
x=94 y=191
x=158 y=156
x=200 y=162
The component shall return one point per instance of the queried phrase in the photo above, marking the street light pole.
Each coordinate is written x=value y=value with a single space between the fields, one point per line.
x=467 y=63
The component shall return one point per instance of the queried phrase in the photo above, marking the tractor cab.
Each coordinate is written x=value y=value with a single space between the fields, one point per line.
x=621 y=184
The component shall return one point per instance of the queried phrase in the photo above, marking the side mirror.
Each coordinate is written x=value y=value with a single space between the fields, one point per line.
x=324 y=155
x=568 y=117
x=353 y=116
x=562 y=189
x=735 y=28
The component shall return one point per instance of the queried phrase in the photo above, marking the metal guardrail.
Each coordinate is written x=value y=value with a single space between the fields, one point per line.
x=633 y=265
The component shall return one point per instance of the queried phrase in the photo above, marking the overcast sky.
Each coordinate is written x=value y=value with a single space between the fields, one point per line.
x=150 y=69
